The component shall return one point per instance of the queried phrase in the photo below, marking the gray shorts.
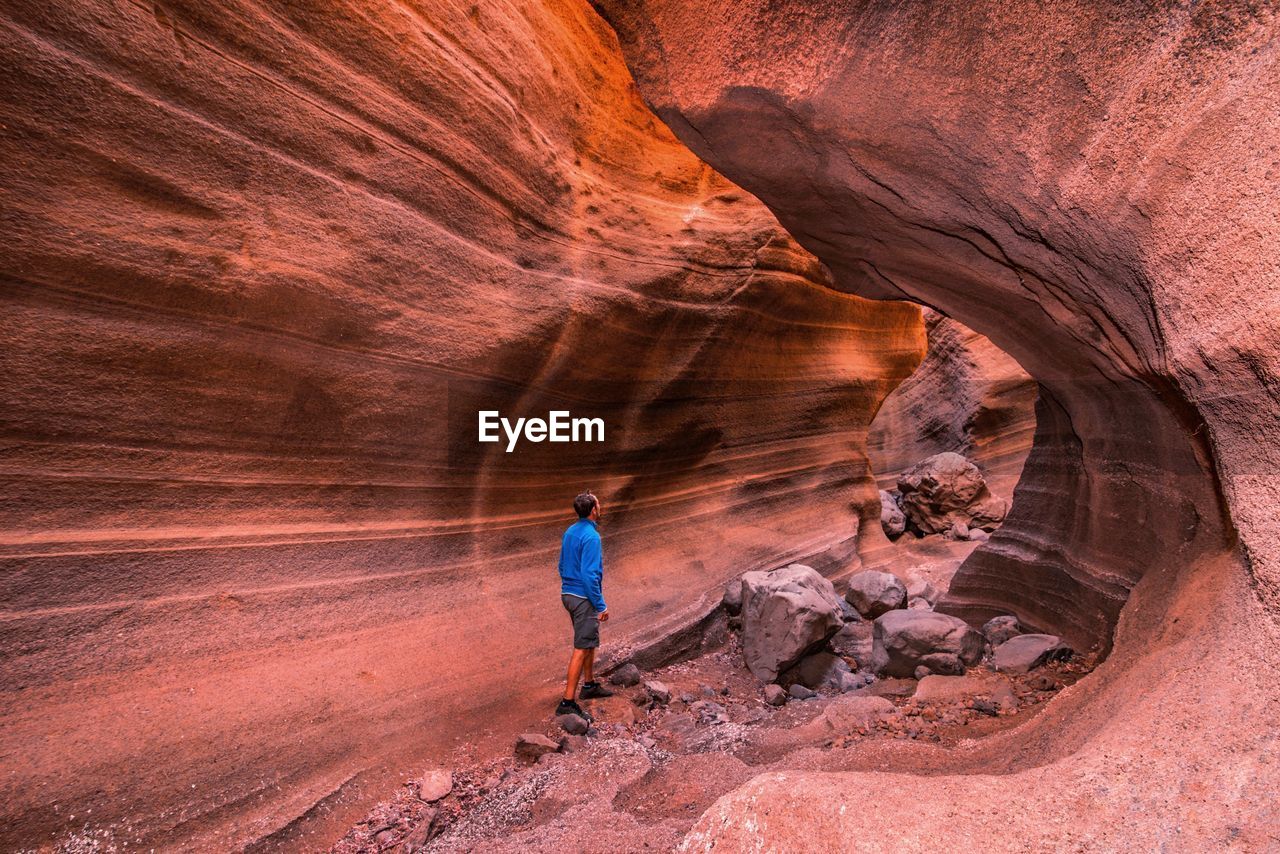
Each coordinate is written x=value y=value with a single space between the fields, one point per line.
x=586 y=622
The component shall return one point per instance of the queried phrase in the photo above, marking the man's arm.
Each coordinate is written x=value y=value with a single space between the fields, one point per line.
x=593 y=569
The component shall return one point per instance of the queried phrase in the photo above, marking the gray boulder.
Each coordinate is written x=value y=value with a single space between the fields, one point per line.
x=786 y=614
x=874 y=593
x=799 y=692
x=820 y=670
x=892 y=518
x=1024 y=653
x=572 y=724
x=904 y=640
x=999 y=629
x=657 y=691
x=626 y=675
x=921 y=589
x=854 y=641
x=946 y=494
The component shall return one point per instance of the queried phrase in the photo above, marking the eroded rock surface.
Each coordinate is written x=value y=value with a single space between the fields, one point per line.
x=263 y=263
x=1082 y=185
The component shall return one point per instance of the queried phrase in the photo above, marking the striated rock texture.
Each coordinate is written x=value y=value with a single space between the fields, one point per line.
x=1088 y=185
x=262 y=265
x=969 y=397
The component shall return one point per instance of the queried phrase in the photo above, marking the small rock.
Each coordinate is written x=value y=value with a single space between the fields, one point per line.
x=708 y=691
x=820 y=670
x=774 y=695
x=799 y=692
x=922 y=672
x=892 y=519
x=385 y=838
x=626 y=675
x=657 y=691
x=999 y=629
x=573 y=743
x=646 y=742
x=572 y=724
x=532 y=745
x=874 y=593
x=709 y=712
x=921 y=589
x=686 y=698
x=959 y=531
x=1024 y=653
x=849 y=613
x=1002 y=695
x=977 y=535
x=435 y=784
x=421 y=833
x=919 y=603
x=1041 y=682
x=985 y=707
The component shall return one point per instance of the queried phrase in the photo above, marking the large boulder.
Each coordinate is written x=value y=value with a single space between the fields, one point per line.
x=786 y=614
x=946 y=493
x=1024 y=653
x=892 y=518
x=904 y=640
x=873 y=593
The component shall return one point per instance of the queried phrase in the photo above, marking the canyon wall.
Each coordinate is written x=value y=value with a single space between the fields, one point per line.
x=1090 y=186
x=967 y=396
x=263 y=264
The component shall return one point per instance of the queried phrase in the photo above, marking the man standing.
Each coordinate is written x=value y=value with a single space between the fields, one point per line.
x=581 y=571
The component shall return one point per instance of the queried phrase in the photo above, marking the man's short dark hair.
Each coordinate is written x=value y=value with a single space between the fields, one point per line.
x=584 y=504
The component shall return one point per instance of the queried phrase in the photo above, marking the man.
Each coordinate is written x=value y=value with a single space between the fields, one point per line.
x=581 y=571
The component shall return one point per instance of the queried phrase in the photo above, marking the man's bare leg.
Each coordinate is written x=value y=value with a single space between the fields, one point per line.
x=576 y=663
x=588 y=674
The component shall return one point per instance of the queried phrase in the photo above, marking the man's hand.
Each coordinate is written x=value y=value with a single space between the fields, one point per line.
x=604 y=616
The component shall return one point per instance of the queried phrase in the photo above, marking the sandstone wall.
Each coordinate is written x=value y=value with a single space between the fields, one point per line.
x=1088 y=185
x=262 y=263
x=967 y=396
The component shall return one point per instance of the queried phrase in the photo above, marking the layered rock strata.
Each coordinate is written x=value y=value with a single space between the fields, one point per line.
x=1085 y=185
x=263 y=263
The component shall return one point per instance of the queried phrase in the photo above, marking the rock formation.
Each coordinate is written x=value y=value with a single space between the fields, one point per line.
x=968 y=397
x=1088 y=186
x=946 y=494
x=263 y=264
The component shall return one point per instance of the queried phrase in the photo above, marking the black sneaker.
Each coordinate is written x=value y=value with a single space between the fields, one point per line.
x=594 y=691
x=569 y=707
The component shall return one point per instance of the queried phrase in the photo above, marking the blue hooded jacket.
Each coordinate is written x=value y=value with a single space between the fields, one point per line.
x=581 y=563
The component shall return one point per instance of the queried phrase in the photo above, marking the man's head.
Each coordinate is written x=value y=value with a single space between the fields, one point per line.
x=587 y=506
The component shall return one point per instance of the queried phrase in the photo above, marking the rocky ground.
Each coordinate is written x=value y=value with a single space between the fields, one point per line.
x=647 y=770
